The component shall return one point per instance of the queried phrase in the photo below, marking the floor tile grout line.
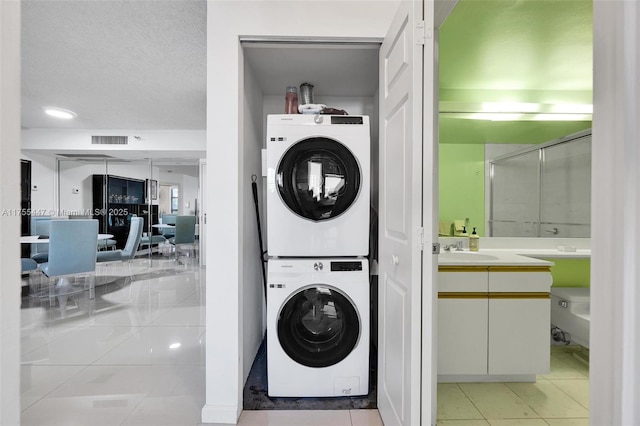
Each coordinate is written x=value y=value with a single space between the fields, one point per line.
x=69 y=378
x=472 y=403
x=564 y=392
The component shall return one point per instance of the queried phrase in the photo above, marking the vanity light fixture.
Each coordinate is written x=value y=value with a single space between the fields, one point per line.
x=62 y=113
x=516 y=111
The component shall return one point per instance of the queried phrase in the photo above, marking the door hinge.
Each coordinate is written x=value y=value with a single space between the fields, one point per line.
x=422 y=32
x=435 y=248
x=421 y=238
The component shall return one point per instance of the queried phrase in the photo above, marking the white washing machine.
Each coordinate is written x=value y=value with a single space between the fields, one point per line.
x=318 y=185
x=318 y=327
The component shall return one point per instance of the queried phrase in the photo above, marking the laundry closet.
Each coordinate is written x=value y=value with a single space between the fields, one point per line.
x=318 y=183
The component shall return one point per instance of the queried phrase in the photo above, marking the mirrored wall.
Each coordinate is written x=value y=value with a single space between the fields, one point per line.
x=111 y=191
x=543 y=191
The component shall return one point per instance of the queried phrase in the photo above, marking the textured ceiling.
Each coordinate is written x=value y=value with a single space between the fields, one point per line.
x=117 y=64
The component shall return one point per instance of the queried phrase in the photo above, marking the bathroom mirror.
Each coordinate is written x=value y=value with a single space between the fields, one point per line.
x=518 y=190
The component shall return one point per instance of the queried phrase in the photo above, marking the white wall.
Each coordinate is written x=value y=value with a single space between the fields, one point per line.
x=44 y=178
x=228 y=172
x=189 y=141
x=615 y=270
x=187 y=189
x=253 y=311
x=188 y=195
x=9 y=223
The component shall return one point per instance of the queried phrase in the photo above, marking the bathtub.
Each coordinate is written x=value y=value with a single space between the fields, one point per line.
x=570 y=312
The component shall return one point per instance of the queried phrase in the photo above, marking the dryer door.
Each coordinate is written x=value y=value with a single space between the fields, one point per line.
x=318 y=178
x=318 y=326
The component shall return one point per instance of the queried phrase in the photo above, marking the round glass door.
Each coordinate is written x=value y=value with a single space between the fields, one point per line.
x=318 y=327
x=318 y=178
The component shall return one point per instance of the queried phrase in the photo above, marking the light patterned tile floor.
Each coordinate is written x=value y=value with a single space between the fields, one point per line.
x=134 y=355
x=105 y=361
x=560 y=398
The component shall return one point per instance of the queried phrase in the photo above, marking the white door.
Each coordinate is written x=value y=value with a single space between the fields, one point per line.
x=202 y=213
x=400 y=400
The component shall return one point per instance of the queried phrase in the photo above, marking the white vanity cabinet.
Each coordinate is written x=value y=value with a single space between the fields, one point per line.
x=493 y=322
x=519 y=320
x=463 y=320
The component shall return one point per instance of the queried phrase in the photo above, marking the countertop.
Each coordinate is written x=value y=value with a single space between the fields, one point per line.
x=489 y=257
x=515 y=251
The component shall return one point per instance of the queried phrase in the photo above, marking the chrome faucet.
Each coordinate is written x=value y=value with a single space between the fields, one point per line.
x=457 y=246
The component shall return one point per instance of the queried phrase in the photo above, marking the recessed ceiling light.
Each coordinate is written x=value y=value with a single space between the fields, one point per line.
x=65 y=114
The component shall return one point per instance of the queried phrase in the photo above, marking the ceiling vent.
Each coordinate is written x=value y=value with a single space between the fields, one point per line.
x=109 y=140
x=91 y=158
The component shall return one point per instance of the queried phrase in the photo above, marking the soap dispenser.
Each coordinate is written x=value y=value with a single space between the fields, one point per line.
x=474 y=241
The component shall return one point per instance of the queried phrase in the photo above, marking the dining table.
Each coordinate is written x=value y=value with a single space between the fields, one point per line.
x=35 y=239
x=163 y=226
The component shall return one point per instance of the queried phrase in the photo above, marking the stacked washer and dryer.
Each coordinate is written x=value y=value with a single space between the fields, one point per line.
x=318 y=309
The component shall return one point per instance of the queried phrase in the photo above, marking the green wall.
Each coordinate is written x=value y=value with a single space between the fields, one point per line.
x=461 y=175
x=571 y=272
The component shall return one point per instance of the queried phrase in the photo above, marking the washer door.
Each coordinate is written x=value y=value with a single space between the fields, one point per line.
x=318 y=178
x=318 y=326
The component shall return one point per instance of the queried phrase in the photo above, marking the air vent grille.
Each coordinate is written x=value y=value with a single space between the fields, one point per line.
x=109 y=140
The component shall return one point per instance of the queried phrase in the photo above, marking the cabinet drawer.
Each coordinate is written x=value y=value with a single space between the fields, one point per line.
x=474 y=281
x=535 y=281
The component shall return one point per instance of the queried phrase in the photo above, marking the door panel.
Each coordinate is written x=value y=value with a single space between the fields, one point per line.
x=400 y=218
x=395 y=192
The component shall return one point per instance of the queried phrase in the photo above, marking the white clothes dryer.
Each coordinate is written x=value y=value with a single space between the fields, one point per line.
x=318 y=327
x=318 y=185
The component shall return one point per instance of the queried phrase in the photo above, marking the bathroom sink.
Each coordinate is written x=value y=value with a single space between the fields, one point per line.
x=465 y=256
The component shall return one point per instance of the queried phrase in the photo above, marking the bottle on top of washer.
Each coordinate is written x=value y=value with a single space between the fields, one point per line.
x=291 y=100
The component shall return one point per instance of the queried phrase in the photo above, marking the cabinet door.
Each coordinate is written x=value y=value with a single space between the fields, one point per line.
x=519 y=335
x=462 y=335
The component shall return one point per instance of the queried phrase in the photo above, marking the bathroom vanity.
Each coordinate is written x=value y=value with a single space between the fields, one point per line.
x=493 y=317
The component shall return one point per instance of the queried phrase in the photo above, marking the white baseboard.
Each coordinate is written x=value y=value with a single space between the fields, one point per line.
x=221 y=414
x=470 y=378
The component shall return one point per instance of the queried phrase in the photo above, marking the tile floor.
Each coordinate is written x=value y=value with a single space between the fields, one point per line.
x=134 y=355
x=560 y=398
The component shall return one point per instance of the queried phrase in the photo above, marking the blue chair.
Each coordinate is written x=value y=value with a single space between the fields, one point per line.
x=107 y=244
x=169 y=219
x=130 y=248
x=150 y=240
x=29 y=266
x=185 y=233
x=72 y=252
x=40 y=226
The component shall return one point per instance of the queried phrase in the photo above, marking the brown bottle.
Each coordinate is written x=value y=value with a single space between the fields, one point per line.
x=291 y=100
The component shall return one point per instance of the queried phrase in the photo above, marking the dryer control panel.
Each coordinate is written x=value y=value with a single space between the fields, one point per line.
x=346 y=266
